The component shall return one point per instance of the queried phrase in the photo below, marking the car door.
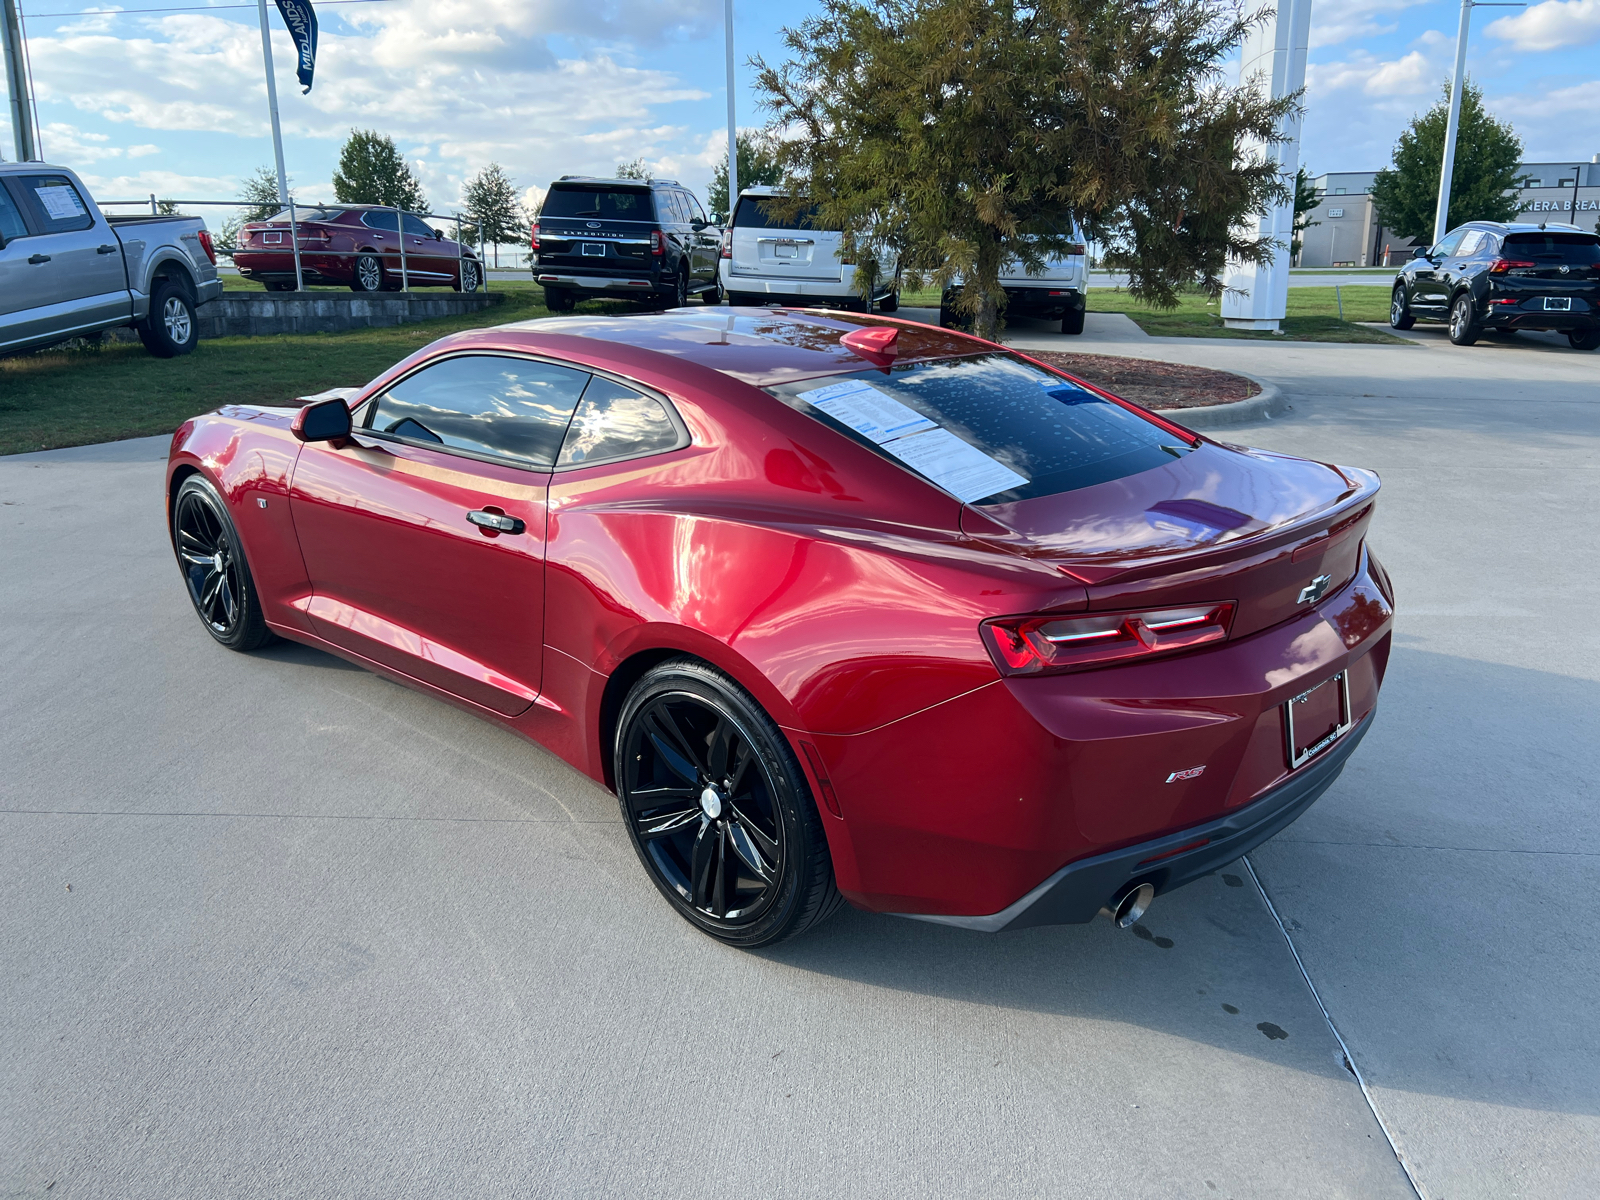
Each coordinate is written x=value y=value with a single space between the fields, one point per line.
x=17 y=294
x=77 y=281
x=424 y=256
x=424 y=533
x=1428 y=284
x=707 y=241
x=1456 y=270
x=383 y=227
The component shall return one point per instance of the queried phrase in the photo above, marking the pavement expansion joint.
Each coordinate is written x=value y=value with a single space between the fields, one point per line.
x=1349 y=1059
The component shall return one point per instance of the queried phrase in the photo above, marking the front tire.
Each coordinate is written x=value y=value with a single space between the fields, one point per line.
x=718 y=809
x=470 y=278
x=1400 y=315
x=171 y=328
x=367 y=274
x=1463 y=321
x=214 y=567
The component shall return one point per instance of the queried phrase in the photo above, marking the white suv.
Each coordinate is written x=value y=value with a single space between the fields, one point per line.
x=769 y=261
x=1060 y=290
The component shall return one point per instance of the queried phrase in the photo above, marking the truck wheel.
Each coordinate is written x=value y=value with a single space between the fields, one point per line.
x=559 y=299
x=1072 y=321
x=367 y=276
x=889 y=303
x=170 y=329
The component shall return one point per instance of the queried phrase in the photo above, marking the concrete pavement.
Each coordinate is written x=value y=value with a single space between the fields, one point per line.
x=324 y=935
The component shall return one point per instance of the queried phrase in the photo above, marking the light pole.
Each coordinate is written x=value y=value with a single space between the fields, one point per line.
x=1441 y=214
x=15 y=55
x=272 y=105
x=733 y=129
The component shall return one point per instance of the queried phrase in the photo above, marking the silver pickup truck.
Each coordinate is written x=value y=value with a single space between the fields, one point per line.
x=67 y=270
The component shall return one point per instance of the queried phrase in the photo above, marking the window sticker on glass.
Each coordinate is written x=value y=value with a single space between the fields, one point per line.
x=866 y=410
x=964 y=471
x=60 y=202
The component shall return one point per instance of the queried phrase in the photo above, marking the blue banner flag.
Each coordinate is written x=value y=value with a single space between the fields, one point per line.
x=301 y=19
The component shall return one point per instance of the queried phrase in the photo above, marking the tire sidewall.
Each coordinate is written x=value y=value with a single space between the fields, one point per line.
x=248 y=631
x=153 y=332
x=1400 y=309
x=1467 y=332
x=790 y=793
x=356 y=284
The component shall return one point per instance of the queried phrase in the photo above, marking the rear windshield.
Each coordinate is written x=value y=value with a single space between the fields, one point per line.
x=989 y=429
x=752 y=214
x=1571 y=248
x=310 y=214
x=613 y=204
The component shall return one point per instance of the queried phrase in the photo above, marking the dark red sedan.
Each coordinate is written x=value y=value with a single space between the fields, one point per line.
x=355 y=245
x=839 y=606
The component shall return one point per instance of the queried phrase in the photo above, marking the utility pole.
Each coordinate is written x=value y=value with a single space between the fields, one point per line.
x=272 y=103
x=17 y=82
x=1441 y=214
x=733 y=129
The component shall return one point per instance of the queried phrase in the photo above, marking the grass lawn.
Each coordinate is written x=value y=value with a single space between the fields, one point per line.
x=72 y=397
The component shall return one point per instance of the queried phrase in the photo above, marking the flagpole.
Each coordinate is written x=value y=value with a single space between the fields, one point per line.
x=272 y=105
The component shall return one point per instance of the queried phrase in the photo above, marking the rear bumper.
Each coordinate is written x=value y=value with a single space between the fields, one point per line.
x=602 y=282
x=1075 y=894
x=1045 y=297
x=794 y=293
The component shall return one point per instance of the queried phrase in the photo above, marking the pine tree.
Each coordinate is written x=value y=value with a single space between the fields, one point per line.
x=633 y=170
x=1305 y=199
x=491 y=202
x=974 y=132
x=373 y=171
x=757 y=165
x=1482 y=182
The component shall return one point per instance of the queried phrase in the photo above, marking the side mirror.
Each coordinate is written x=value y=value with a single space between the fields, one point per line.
x=328 y=421
x=438 y=235
x=1422 y=252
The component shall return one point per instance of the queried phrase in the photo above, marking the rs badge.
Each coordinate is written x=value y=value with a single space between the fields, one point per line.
x=1191 y=773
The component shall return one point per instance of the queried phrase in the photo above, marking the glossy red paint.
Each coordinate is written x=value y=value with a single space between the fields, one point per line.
x=843 y=593
x=328 y=249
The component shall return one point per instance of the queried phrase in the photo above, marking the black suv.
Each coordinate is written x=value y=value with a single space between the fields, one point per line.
x=647 y=239
x=1487 y=277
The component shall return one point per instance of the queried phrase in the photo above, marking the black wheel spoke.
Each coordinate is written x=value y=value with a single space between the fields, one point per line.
x=719 y=893
x=642 y=799
x=192 y=543
x=705 y=853
x=665 y=821
x=741 y=761
x=718 y=748
x=671 y=744
x=763 y=840
x=744 y=845
x=229 y=607
x=208 y=594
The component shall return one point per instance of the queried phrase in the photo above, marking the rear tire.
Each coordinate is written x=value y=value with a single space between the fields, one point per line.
x=746 y=863
x=280 y=287
x=171 y=328
x=559 y=299
x=367 y=274
x=1400 y=315
x=890 y=303
x=1586 y=339
x=1072 y=321
x=1463 y=321
x=215 y=572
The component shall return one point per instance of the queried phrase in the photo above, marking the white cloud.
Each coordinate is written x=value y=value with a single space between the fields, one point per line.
x=1332 y=24
x=1411 y=75
x=1552 y=25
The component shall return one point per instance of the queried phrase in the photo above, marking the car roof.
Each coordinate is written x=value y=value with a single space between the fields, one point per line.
x=759 y=346
x=587 y=180
x=1523 y=226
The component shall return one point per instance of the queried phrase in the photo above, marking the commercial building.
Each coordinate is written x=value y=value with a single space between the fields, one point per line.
x=1348 y=233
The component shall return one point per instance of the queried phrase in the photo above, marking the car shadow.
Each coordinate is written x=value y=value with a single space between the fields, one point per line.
x=299 y=654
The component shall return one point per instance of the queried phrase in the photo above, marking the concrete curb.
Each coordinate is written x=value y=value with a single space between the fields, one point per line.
x=1263 y=406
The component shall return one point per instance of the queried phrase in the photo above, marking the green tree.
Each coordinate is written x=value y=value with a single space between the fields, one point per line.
x=757 y=165
x=1482 y=182
x=373 y=171
x=260 y=194
x=974 y=131
x=634 y=170
x=1305 y=199
x=493 y=209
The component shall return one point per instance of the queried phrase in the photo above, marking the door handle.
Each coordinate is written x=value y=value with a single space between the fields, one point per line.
x=39 y=258
x=107 y=249
x=498 y=522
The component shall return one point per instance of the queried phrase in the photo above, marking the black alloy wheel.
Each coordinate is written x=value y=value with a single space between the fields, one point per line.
x=1400 y=315
x=1463 y=321
x=1584 y=339
x=214 y=567
x=718 y=808
x=367 y=274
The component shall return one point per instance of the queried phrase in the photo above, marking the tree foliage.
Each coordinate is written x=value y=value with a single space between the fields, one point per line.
x=373 y=171
x=972 y=132
x=1305 y=199
x=757 y=165
x=1482 y=182
x=634 y=170
x=494 y=211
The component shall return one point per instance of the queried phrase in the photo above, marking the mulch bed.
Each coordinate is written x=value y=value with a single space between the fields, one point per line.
x=1153 y=384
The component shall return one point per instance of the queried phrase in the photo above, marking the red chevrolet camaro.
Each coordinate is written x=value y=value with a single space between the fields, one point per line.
x=839 y=606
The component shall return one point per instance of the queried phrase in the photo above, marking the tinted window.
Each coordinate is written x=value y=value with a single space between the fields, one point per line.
x=378 y=218
x=1448 y=247
x=617 y=422
x=988 y=429
x=1574 y=249
x=1471 y=244
x=752 y=214
x=310 y=214
x=11 y=225
x=57 y=206
x=614 y=204
x=417 y=227
x=696 y=213
x=483 y=404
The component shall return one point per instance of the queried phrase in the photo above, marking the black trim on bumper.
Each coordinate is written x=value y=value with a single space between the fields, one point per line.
x=1075 y=894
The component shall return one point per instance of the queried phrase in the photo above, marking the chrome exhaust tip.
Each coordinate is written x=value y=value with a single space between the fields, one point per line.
x=1130 y=904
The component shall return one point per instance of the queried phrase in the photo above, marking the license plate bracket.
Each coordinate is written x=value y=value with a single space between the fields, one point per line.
x=1316 y=719
x=594 y=249
x=1558 y=304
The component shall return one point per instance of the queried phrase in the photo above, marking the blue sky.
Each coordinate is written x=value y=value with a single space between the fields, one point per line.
x=174 y=103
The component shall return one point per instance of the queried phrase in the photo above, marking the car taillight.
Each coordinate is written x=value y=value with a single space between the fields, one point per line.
x=1501 y=265
x=727 y=243
x=533 y=238
x=658 y=244
x=1075 y=248
x=205 y=244
x=1045 y=645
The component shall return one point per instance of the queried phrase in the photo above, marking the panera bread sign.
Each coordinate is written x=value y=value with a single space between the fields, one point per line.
x=1559 y=205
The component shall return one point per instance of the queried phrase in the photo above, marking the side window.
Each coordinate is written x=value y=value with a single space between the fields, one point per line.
x=417 y=227
x=57 y=206
x=1448 y=247
x=617 y=422
x=671 y=204
x=696 y=213
x=1471 y=244
x=483 y=404
x=11 y=224
x=377 y=218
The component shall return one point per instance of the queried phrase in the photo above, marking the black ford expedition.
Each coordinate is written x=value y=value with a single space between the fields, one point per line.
x=646 y=239
x=1489 y=277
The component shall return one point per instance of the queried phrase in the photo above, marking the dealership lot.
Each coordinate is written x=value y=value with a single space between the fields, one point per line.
x=272 y=924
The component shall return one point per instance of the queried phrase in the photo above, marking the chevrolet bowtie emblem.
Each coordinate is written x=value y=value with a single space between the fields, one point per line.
x=1314 y=591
